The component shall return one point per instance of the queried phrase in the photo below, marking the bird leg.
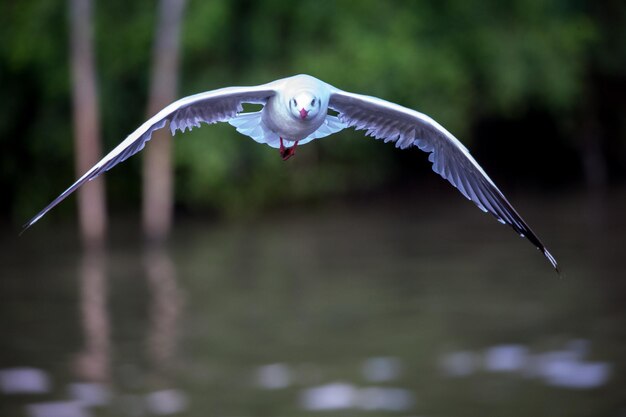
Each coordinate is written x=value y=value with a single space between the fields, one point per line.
x=285 y=152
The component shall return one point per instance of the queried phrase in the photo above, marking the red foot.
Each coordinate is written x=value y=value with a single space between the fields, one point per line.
x=287 y=153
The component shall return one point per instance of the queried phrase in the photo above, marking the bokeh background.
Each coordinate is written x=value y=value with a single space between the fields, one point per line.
x=350 y=280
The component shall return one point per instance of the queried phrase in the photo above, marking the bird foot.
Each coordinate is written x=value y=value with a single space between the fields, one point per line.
x=285 y=152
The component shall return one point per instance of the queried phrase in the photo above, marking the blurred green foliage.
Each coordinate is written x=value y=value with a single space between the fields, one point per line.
x=455 y=60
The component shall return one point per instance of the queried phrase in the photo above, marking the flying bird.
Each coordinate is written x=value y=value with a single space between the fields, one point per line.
x=295 y=112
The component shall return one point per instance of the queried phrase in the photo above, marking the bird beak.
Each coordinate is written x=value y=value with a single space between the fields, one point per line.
x=303 y=113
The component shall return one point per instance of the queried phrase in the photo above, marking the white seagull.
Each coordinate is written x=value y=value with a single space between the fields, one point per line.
x=295 y=112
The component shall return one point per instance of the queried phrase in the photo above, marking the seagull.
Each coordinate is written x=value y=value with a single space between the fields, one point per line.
x=296 y=111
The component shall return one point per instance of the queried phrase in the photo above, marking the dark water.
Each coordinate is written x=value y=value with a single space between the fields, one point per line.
x=394 y=306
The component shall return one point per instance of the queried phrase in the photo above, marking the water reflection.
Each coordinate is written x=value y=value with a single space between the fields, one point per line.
x=506 y=358
x=24 y=381
x=568 y=369
x=165 y=306
x=382 y=369
x=91 y=368
x=388 y=307
x=274 y=376
x=90 y=394
x=165 y=402
x=57 y=409
x=339 y=395
x=93 y=361
x=565 y=368
x=164 y=312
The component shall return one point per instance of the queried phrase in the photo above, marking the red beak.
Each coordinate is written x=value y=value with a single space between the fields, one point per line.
x=303 y=113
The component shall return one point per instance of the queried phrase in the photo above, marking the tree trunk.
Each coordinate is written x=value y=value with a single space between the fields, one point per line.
x=157 y=168
x=91 y=197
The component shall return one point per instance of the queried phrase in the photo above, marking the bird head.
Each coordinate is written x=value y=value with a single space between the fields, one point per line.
x=304 y=106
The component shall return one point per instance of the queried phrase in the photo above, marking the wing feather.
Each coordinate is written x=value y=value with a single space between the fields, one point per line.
x=393 y=123
x=208 y=107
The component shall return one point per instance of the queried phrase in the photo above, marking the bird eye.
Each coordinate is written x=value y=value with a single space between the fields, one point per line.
x=313 y=102
x=293 y=102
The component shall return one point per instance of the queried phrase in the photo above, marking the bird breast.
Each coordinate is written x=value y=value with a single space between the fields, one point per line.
x=277 y=118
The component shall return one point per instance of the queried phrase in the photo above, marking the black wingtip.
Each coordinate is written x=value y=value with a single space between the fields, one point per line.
x=34 y=220
x=26 y=226
x=552 y=261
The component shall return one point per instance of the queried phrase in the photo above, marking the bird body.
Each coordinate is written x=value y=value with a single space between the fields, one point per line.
x=278 y=115
x=295 y=112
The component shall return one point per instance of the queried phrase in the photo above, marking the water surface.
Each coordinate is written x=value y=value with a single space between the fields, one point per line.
x=400 y=306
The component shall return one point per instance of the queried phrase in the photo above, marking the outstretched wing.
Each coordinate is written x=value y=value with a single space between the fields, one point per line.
x=209 y=107
x=393 y=123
